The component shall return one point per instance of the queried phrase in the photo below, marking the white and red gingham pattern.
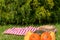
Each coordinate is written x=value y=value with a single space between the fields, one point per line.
x=20 y=31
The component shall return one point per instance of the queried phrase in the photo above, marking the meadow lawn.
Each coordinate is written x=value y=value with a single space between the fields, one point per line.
x=15 y=37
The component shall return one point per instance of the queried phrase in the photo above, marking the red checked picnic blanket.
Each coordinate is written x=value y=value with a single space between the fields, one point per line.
x=20 y=31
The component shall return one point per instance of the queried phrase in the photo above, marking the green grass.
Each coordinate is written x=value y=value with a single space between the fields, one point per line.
x=58 y=32
x=15 y=37
x=8 y=37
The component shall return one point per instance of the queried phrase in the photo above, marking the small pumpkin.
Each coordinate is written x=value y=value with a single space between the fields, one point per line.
x=27 y=35
x=34 y=36
x=52 y=35
x=46 y=36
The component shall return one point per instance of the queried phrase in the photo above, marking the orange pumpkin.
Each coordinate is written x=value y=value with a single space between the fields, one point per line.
x=34 y=36
x=46 y=36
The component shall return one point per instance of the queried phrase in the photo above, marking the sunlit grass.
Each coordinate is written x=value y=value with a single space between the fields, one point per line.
x=15 y=37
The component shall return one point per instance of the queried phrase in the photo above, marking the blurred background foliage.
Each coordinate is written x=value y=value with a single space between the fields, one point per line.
x=29 y=11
